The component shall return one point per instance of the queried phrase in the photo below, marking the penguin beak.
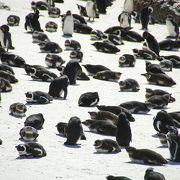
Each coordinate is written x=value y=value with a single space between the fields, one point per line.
x=144 y=75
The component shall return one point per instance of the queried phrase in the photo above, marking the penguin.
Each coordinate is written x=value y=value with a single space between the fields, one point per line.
x=167 y=45
x=13 y=20
x=58 y=86
x=172 y=27
x=41 y=5
x=35 y=120
x=105 y=127
x=68 y=24
x=79 y=19
x=123 y=132
x=5 y=38
x=106 y=146
x=88 y=99
x=72 y=70
x=108 y=75
x=50 y=47
x=72 y=45
x=7 y=69
x=176 y=118
x=82 y=28
x=116 y=110
x=124 y=19
x=173 y=146
x=161 y=120
x=152 y=43
x=115 y=39
x=12 y=60
x=38 y=97
x=151 y=174
x=138 y=107
x=5 y=85
x=18 y=109
x=128 y=6
x=129 y=85
x=150 y=92
x=28 y=133
x=30 y=150
x=31 y=69
x=54 y=12
x=39 y=37
x=83 y=76
x=104 y=115
x=93 y=69
x=110 y=177
x=166 y=65
x=115 y=30
x=106 y=47
x=91 y=9
x=132 y=36
x=8 y=76
x=73 y=131
x=76 y=55
x=82 y=10
x=4 y=6
x=144 y=54
x=127 y=60
x=174 y=59
x=51 y=26
x=153 y=68
x=101 y=6
x=1 y=141
x=159 y=79
x=96 y=35
x=53 y=60
x=145 y=156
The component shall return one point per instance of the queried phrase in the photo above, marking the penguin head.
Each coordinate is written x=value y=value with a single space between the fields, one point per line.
x=122 y=84
x=150 y=10
x=122 y=59
x=5 y=28
x=149 y=92
x=21 y=148
x=88 y=122
x=93 y=114
x=130 y=150
x=68 y=12
x=147 y=75
x=21 y=108
x=67 y=42
x=117 y=75
x=145 y=34
x=122 y=118
x=98 y=143
x=135 y=51
x=29 y=96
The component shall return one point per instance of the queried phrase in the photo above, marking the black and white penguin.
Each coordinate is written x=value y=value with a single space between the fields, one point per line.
x=151 y=42
x=115 y=30
x=97 y=35
x=106 y=47
x=167 y=45
x=31 y=149
x=127 y=60
x=68 y=24
x=108 y=75
x=125 y=19
x=115 y=39
x=73 y=131
x=161 y=120
x=72 y=45
x=41 y=5
x=35 y=120
x=13 y=20
x=145 y=156
x=82 y=10
x=6 y=68
x=132 y=36
x=5 y=85
x=117 y=110
x=76 y=55
x=173 y=58
x=31 y=69
x=72 y=70
x=137 y=107
x=102 y=5
x=106 y=146
x=123 y=132
x=18 y=109
x=129 y=85
x=79 y=19
x=5 y=38
x=58 y=86
x=128 y=6
x=82 y=28
x=28 y=133
x=105 y=127
x=88 y=99
x=38 y=97
x=53 y=60
x=54 y=12
x=93 y=69
x=50 y=47
x=159 y=79
x=110 y=177
x=166 y=65
x=51 y=26
x=8 y=76
x=151 y=174
x=172 y=27
x=144 y=54
x=39 y=37
x=153 y=68
x=91 y=9
x=176 y=118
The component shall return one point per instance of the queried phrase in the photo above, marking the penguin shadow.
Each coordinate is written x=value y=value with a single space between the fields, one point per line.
x=18 y=117
x=22 y=140
x=143 y=164
x=173 y=163
x=66 y=36
x=155 y=136
x=36 y=104
x=162 y=147
x=77 y=146
x=60 y=135
x=24 y=157
x=28 y=32
x=43 y=52
x=58 y=98
x=105 y=152
x=38 y=80
x=106 y=135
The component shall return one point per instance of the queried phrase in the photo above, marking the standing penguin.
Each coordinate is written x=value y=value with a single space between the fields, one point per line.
x=91 y=9
x=5 y=37
x=123 y=132
x=172 y=27
x=68 y=24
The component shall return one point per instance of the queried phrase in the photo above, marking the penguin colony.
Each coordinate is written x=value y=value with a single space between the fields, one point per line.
x=58 y=75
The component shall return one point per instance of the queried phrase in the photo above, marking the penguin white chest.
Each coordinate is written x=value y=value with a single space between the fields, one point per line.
x=128 y=5
x=170 y=28
x=68 y=26
x=124 y=21
x=90 y=9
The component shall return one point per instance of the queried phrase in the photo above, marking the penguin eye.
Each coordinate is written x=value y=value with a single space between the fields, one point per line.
x=148 y=76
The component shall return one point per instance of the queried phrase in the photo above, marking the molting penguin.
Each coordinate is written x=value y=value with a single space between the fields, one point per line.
x=18 y=109
x=53 y=60
x=91 y=10
x=166 y=65
x=123 y=132
x=88 y=99
x=39 y=37
x=125 y=20
x=151 y=174
x=50 y=47
x=145 y=156
x=8 y=76
x=58 y=86
x=172 y=27
x=31 y=149
x=72 y=45
x=68 y=24
x=132 y=36
x=129 y=85
x=51 y=26
x=73 y=131
x=5 y=85
x=127 y=60
x=38 y=97
x=76 y=55
x=54 y=12
x=153 y=68
x=13 y=20
x=35 y=120
x=106 y=146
